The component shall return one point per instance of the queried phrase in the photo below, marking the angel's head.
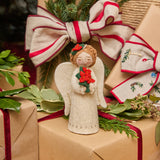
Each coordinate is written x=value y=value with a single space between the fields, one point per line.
x=83 y=55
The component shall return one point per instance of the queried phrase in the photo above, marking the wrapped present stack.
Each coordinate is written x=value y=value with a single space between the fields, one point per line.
x=94 y=39
x=50 y=39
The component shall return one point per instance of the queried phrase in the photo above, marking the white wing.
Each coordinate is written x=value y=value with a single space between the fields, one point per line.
x=98 y=69
x=63 y=74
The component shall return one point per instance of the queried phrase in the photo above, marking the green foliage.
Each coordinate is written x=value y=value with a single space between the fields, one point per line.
x=106 y=70
x=11 y=104
x=121 y=2
x=7 y=102
x=136 y=108
x=116 y=125
x=46 y=99
x=68 y=11
x=9 y=60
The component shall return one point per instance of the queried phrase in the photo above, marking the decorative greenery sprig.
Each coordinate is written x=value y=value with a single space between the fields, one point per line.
x=116 y=125
x=9 y=60
x=136 y=108
x=10 y=103
x=46 y=99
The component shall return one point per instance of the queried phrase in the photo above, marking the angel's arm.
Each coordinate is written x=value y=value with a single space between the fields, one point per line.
x=93 y=86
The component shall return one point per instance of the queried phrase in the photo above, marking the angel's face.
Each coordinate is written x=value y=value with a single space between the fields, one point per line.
x=84 y=60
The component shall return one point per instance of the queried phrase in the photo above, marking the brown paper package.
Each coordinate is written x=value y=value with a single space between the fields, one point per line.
x=149 y=31
x=56 y=142
x=6 y=86
x=24 y=132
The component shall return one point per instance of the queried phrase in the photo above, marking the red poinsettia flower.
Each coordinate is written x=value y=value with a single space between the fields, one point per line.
x=86 y=76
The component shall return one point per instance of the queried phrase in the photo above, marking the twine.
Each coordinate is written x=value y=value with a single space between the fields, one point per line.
x=134 y=11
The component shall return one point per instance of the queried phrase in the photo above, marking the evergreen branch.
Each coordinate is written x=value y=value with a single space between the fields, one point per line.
x=116 y=125
x=46 y=73
x=122 y=2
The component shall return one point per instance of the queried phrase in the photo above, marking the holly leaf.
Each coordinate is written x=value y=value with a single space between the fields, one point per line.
x=12 y=92
x=157 y=134
x=8 y=103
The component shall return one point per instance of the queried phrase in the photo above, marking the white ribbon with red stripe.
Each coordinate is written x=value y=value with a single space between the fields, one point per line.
x=140 y=58
x=46 y=35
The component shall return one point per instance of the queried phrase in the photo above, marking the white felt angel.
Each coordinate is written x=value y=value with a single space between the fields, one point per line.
x=80 y=83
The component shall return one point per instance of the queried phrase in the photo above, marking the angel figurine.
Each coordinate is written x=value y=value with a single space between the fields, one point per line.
x=80 y=83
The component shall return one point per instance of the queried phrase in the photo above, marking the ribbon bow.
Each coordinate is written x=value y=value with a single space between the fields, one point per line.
x=46 y=35
x=140 y=58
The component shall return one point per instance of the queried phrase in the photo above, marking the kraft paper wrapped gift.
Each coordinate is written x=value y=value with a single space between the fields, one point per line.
x=56 y=142
x=6 y=86
x=24 y=132
x=149 y=31
x=108 y=61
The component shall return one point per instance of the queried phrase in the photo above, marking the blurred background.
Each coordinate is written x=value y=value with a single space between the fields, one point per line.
x=13 y=15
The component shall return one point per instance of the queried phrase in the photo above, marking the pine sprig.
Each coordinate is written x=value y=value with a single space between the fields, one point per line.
x=116 y=125
x=46 y=73
x=121 y=2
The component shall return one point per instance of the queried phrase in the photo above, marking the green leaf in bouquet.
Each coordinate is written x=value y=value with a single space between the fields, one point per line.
x=51 y=107
x=49 y=95
x=11 y=104
x=12 y=92
x=118 y=108
x=157 y=134
x=5 y=53
x=2 y=61
x=28 y=95
x=35 y=91
x=12 y=58
x=9 y=79
x=24 y=78
x=133 y=113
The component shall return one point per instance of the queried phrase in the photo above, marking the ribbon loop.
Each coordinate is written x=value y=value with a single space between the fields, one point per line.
x=46 y=35
x=140 y=58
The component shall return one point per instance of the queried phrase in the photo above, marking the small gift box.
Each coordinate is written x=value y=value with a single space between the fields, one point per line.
x=104 y=31
x=6 y=86
x=19 y=133
x=148 y=36
x=57 y=142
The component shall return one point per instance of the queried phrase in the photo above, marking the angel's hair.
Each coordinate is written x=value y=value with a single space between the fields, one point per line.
x=88 y=49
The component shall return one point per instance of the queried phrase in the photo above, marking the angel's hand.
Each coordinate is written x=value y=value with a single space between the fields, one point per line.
x=82 y=90
x=92 y=88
